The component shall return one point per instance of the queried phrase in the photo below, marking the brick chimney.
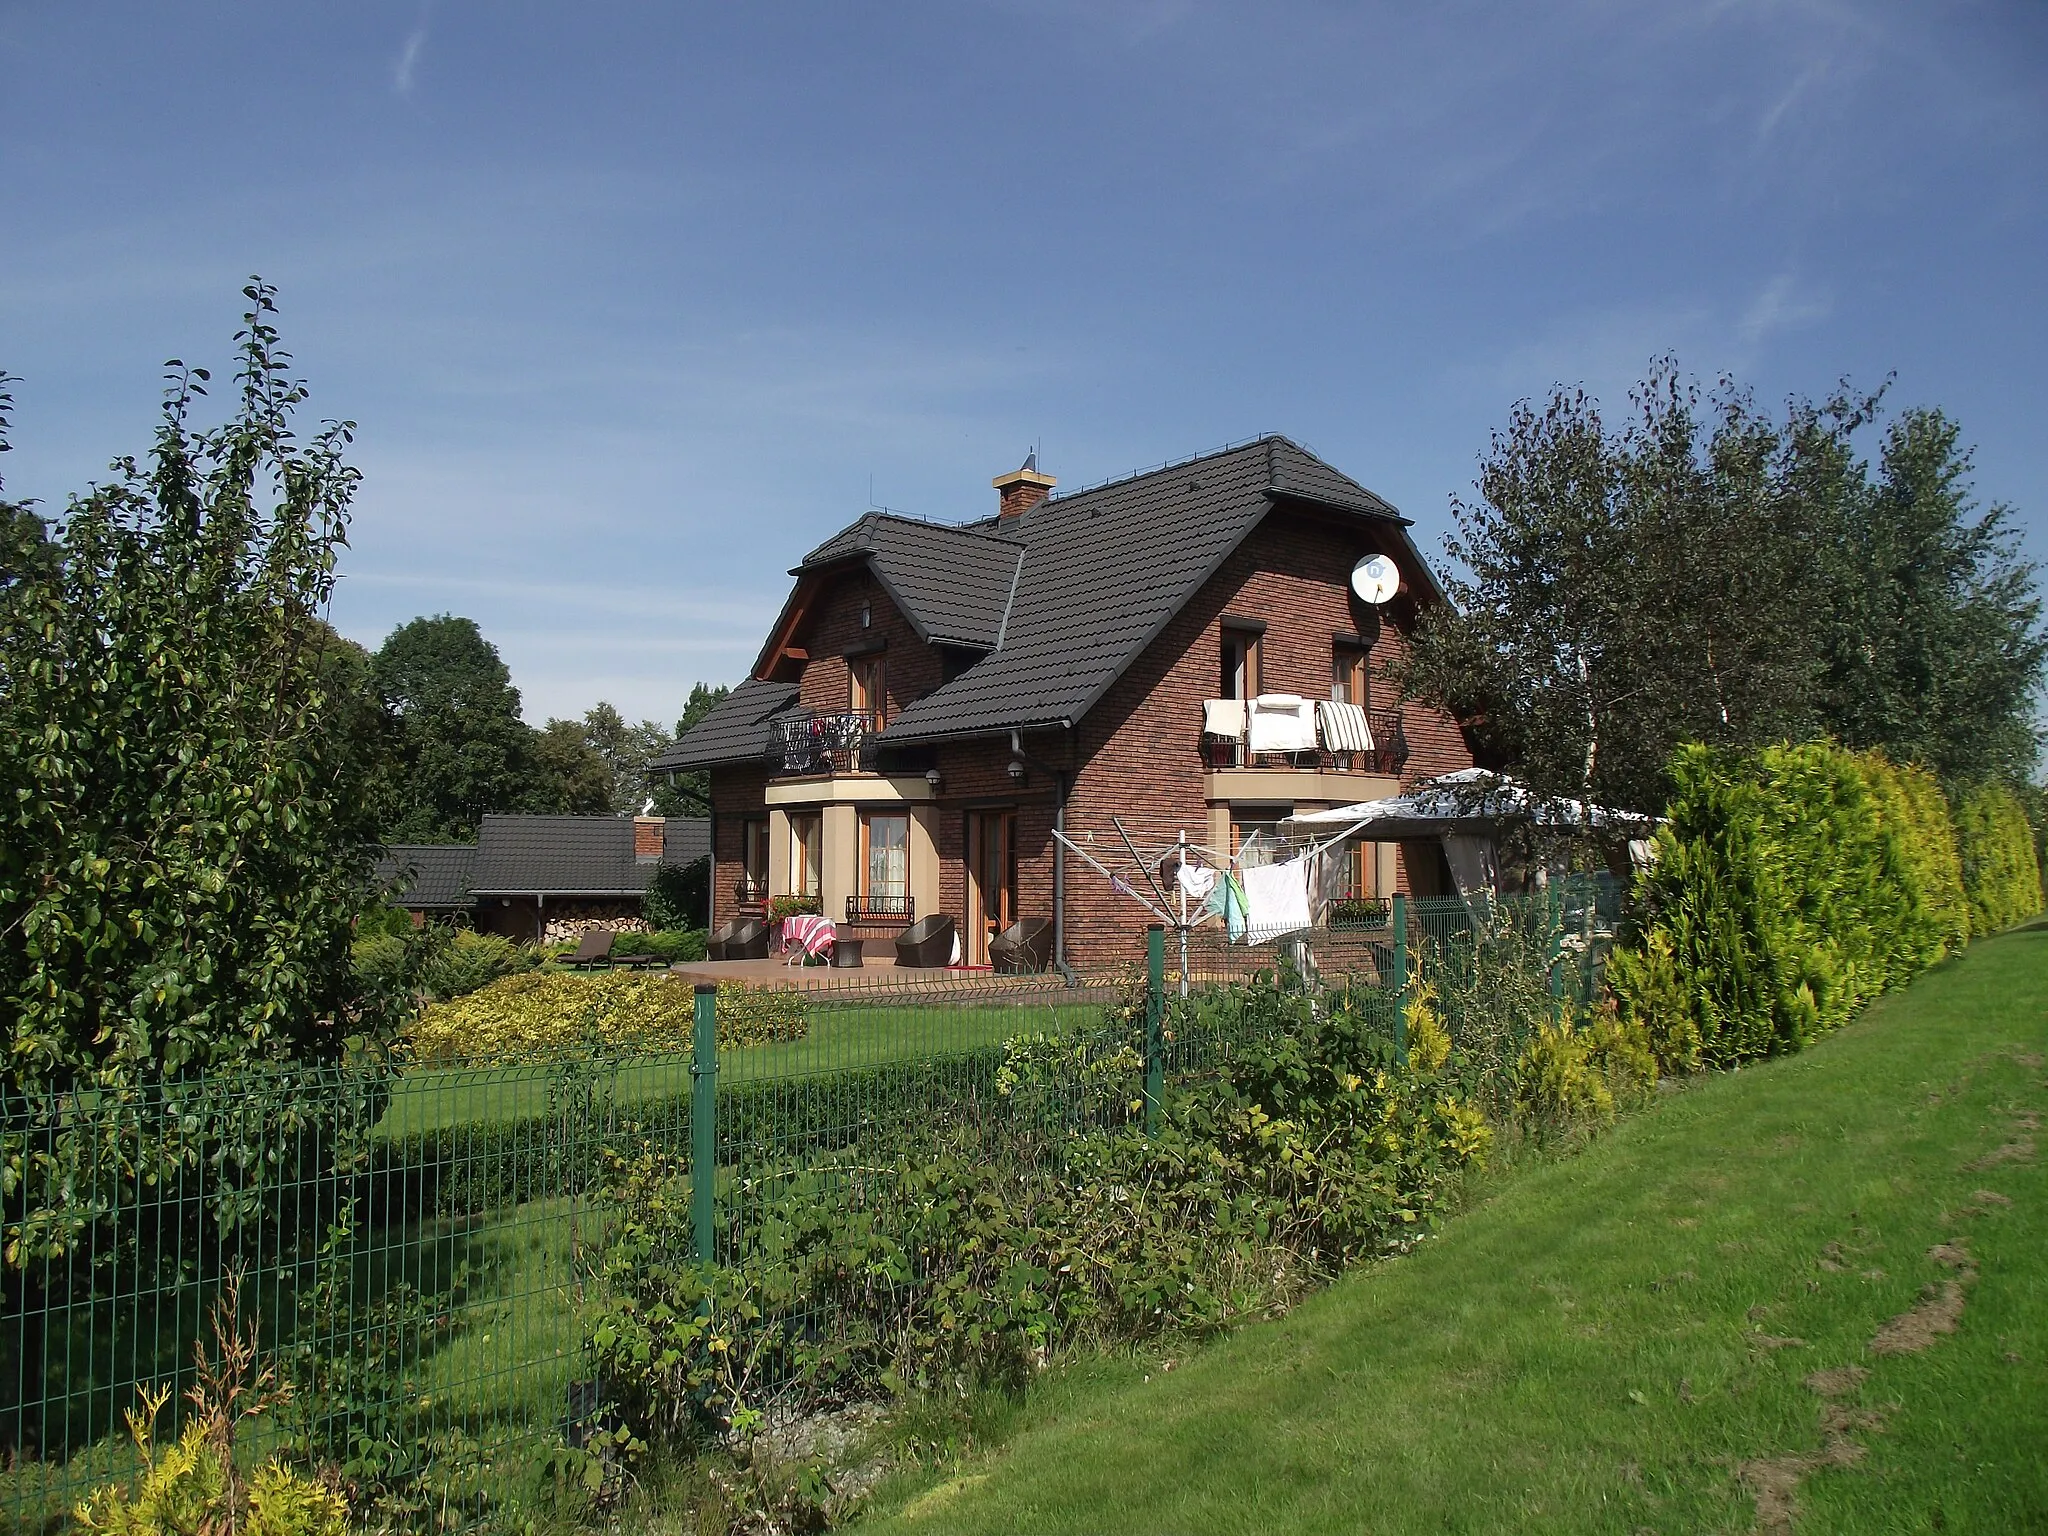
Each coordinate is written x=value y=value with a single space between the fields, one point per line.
x=1023 y=488
x=647 y=839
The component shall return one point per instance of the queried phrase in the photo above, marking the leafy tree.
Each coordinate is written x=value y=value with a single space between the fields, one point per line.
x=625 y=749
x=570 y=777
x=187 y=831
x=461 y=747
x=689 y=794
x=1623 y=591
x=1938 y=648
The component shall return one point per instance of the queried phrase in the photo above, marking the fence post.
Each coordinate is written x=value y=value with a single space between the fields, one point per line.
x=1400 y=972
x=1155 y=1009
x=704 y=1121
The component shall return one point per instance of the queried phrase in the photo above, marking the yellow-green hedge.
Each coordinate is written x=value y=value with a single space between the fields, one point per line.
x=545 y=1014
x=1915 y=812
x=1999 y=868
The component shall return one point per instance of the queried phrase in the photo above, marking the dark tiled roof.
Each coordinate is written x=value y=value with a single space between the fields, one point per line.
x=1100 y=574
x=734 y=731
x=685 y=839
x=574 y=855
x=427 y=875
x=1104 y=571
x=953 y=584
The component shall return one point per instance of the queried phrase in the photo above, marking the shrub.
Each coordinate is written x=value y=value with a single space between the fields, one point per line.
x=1780 y=901
x=1915 y=812
x=474 y=960
x=677 y=895
x=2000 y=870
x=545 y=1013
x=187 y=1490
x=973 y=1239
x=671 y=945
x=1575 y=1074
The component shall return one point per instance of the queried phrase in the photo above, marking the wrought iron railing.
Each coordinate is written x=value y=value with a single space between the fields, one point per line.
x=804 y=742
x=881 y=909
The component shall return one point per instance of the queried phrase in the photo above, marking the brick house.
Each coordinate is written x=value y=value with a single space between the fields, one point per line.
x=933 y=699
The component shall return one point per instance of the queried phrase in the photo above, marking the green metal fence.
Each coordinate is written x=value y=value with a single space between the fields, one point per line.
x=415 y=1252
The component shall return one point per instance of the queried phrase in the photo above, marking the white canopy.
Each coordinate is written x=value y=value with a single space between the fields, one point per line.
x=1473 y=800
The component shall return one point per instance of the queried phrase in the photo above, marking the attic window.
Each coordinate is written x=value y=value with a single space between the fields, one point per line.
x=867 y=614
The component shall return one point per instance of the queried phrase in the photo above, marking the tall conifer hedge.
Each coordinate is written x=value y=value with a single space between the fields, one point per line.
x=2000 y=871
x=1794 y=884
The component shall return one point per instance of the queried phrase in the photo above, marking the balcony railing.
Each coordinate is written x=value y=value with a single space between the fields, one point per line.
x=810 y=743
x=1388 y=757
x=881 y=909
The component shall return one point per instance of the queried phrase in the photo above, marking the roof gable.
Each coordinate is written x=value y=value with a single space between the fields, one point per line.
x=1062 y=597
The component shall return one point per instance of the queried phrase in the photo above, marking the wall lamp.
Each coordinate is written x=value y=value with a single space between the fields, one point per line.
x=934 y=778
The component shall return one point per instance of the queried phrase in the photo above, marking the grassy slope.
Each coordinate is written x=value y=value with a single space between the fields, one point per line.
x=1592 y=1348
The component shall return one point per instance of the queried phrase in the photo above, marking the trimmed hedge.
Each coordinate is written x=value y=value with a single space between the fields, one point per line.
x=2000 y=869
x=549 y=1014
x=1791 y=886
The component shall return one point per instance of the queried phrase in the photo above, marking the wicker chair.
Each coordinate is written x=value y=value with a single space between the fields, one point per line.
x=744 y=938
x=926 y=943
x=1024 y=946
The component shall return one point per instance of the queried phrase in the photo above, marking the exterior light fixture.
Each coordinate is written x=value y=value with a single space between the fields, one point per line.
x=933 y=777
x=1017 y=769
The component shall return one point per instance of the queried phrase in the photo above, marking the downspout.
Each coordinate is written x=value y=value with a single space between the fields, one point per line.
x=1059 y=859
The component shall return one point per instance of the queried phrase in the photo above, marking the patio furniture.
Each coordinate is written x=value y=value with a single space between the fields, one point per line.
x=594 y=949
x=846 y=955
x=1023 y=947
x=805 y=937
x=926 y=943
x=744 y=938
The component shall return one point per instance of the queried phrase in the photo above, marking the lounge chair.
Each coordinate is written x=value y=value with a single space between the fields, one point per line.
x=926 y=943
x=595 y=949
x=1024 y=946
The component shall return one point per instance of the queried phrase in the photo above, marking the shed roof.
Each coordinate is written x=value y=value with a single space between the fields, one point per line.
x=576 y=855
x=427 y=876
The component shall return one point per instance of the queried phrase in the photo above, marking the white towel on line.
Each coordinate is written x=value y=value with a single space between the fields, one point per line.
x=1344 y=726
x=1275 y=900
x=1198 y=880
x=1224 y=717
x=1282 y=722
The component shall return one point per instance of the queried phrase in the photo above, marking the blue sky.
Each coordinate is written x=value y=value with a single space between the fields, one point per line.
x=633 y=304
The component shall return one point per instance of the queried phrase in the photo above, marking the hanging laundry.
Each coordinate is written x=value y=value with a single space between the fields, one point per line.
x=1226 y=901
x=1276 y=900
x=1198 y=880
x=1224 y=717
x=1117 y=885
x=1344 y=726
x=1282 y=722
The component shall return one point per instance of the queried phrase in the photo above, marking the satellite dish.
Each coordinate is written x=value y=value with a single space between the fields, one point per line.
x=1375 y=579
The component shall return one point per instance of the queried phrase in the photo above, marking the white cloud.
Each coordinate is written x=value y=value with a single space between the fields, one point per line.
x=404 y=71
x=1780 y=307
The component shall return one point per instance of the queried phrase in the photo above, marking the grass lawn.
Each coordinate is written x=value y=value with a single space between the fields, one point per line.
x=1727 y=1314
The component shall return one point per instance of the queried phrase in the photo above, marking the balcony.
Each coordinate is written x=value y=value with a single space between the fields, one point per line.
x=1388 y=757
x=880 y=908
x=806 y=743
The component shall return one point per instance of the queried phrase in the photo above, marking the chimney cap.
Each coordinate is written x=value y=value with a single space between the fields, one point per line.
x=1026 y=473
